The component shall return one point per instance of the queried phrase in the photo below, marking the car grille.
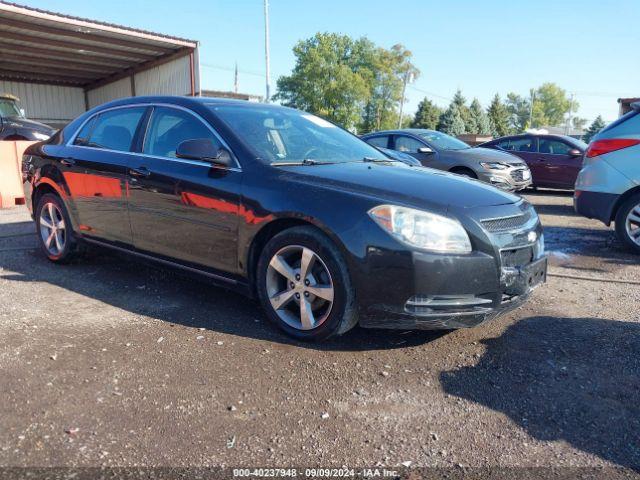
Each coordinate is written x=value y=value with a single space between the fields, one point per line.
x=518 y=175
x=516 y=257
x=505 y=224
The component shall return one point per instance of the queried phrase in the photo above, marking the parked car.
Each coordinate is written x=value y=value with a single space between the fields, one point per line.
x=321 y=227
x=401 y=157
x=554 y=160
x=443 y=152
x=14 y=125
x=608 y=186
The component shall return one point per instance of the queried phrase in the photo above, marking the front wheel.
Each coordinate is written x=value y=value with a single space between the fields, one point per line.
x=628 y=223
x=304 y=285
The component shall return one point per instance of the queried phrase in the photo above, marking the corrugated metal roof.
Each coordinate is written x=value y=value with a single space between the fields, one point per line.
x=46 y=47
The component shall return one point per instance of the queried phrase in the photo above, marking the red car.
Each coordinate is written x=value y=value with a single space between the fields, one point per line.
x=554 y=160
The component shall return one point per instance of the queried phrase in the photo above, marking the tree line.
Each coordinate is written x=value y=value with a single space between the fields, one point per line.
x=359 y=85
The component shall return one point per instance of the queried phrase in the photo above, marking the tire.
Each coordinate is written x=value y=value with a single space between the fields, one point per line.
x=61 y=246
x=627 y=221
x=465 y=172
x=333 y=312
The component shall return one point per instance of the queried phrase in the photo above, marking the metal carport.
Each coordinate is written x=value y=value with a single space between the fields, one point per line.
x=60 y=66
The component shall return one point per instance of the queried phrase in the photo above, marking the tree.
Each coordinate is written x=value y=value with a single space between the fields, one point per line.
x=579 y=122
x=461 y=103
x=388 y=69
x=478 y=119
x=451 y=121
x=550 y=105
x=518 y=108
x=597 y=125
x=330 y=78
x=427 y=116
x=498 y=117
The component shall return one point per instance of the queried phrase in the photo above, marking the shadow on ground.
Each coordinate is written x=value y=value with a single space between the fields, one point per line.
x=166 y=295
x=563 y=379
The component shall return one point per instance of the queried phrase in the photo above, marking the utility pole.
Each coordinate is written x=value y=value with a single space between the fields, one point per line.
x=235 y=79
x=408 y=78
x=266 y=51
x=568 y=126
x=532 y=99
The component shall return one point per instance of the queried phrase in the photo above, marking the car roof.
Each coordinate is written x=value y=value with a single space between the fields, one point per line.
x=186 y=101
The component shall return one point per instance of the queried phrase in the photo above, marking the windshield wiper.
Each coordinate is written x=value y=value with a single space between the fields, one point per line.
x=306 y=161
x=377 y=160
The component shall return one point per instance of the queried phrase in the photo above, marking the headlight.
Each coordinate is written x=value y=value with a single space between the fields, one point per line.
x=494 y=165
x=41 y=136
x=423 y=230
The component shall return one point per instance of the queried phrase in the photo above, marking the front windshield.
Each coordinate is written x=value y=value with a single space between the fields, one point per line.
x=578 y=143
x=8 y=108
x=280 y=135
x=442 y=141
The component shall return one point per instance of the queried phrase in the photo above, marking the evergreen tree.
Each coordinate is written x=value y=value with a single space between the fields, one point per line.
x=478 y=119
x=461 y=102
x=427 y=116
x=597 y=125
x=451 y=121
x=499 y=117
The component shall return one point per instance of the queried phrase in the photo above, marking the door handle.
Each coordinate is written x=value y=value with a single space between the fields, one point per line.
x=68 y=162
x=139 y=172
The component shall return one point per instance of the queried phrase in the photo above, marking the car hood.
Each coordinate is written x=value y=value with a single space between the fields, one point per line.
x=394 y=182
x=482 y=154
x=30 y=124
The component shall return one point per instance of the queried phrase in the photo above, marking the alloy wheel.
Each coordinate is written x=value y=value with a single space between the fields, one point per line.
x=52 y=229
x=299 y=287
x=632 y=224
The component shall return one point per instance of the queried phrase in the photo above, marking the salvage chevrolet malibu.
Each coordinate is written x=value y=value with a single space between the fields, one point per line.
x=324 y=229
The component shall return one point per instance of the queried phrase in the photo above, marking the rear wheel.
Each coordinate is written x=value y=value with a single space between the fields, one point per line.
x=304 y=286
x=55 y=234
x=628 y=223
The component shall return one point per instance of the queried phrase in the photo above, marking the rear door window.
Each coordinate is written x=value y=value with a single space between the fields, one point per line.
x=382 y=141
x=523 y=144
x=113 y=130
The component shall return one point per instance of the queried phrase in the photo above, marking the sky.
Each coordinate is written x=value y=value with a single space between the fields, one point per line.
x=587 y=47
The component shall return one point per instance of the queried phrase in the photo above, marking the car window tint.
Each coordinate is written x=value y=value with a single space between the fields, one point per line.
x=526 y=144
x=83 y=135
x=555 y=147
x=382 y=141
x=170 y=127
x=407 y=144
x=115 y=129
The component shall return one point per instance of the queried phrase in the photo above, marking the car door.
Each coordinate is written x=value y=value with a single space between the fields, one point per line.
x=561 y=168
x=94 y=166
x=181 y=209
x=412 y=146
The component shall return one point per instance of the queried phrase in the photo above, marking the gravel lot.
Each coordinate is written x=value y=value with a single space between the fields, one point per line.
x=113 y=363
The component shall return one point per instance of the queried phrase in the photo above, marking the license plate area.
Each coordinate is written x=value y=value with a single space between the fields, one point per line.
x=521 y=280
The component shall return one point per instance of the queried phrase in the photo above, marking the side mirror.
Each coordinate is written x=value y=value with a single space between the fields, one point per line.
x=203 y=149
x=425 y=150
x=574 y=152
x=22 y=112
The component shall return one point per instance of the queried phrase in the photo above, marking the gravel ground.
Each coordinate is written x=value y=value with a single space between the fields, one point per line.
x=113 y=363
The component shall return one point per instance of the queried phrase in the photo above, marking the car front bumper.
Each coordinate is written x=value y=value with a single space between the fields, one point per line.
x=509 y=180
x=470 y=291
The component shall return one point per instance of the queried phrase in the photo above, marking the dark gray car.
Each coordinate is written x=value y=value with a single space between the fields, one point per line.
x=438 y=150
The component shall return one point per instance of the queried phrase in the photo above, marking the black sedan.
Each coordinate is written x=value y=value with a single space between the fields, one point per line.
x=322 y=228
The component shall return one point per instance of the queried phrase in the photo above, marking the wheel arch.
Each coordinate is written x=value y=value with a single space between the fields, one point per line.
x=463 y=168
x=621 y=200
x=273 y=228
